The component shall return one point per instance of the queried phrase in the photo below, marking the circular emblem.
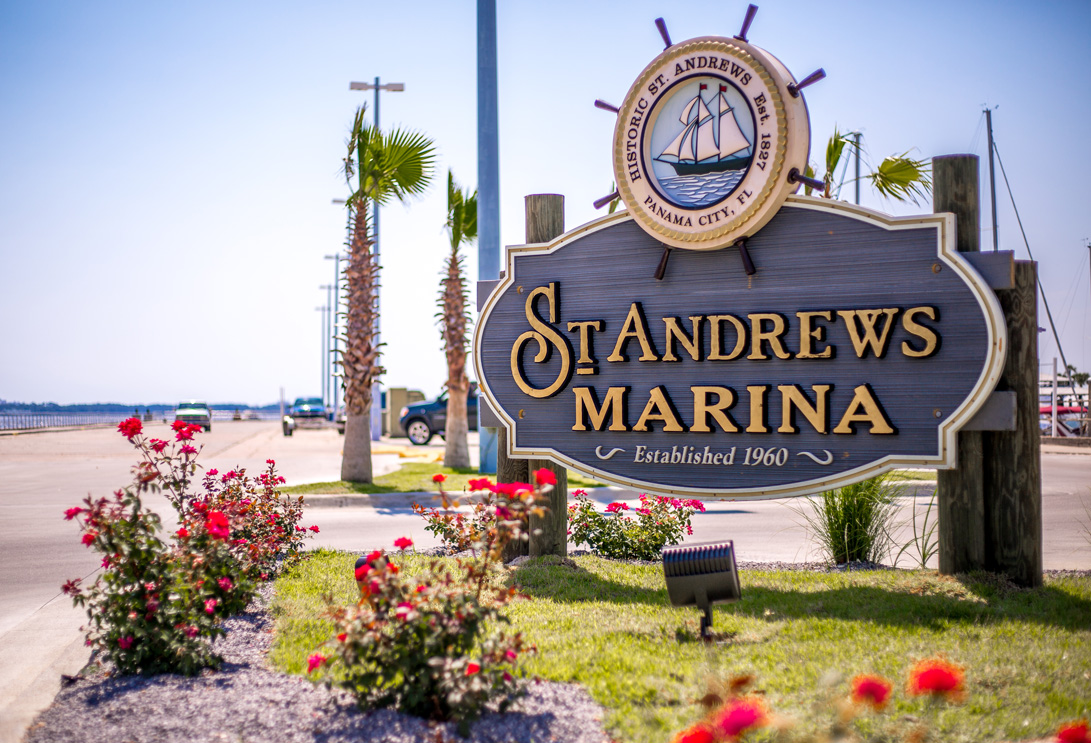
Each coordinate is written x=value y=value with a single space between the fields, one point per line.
x=705 y=140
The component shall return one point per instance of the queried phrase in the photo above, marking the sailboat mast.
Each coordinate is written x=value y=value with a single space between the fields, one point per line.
x=992 y=177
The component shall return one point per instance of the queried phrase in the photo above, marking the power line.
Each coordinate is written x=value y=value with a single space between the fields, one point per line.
x=1026 y=242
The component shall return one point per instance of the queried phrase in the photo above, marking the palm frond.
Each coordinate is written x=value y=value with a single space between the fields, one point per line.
x=902 y=177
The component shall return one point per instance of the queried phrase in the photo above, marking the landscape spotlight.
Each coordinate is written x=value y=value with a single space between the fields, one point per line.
x=702 y=574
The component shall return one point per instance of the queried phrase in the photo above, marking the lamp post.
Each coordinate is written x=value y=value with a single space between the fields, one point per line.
x=376 y=392
x=325 y=312
x=328 y=339
x=336 y=312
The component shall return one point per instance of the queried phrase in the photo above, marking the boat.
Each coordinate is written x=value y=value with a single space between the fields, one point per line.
x=709 y=142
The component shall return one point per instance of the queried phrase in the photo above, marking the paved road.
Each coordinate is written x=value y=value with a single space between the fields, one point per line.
x=43 y=474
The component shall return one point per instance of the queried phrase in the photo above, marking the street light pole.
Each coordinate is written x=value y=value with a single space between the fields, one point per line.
x=322 y=387
x=326 y=367
x=376 y=392
x=334 y=360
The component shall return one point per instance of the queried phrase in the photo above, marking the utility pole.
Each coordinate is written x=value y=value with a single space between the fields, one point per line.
x=992 y=177
x=376 y=391
x=488 y=183
x=858 y=168
x=325 y=314
x=326 y=352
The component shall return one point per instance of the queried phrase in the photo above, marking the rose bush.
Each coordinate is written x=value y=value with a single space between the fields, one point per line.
x=658 y=522
x=434 y=644
x=159 y=599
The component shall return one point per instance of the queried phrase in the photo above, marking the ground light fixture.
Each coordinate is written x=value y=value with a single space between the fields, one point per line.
x=701 y=575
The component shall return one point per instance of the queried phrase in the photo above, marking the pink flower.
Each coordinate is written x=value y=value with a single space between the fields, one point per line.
x=314 y=529
x=439 y=477
x=106 y=562
x=740 y=715
x=482 y=483
x=270 y=461
x=71 y=513
x=190 y=631
x=71 y=587
x=217 y=525
x=210 y=606
x=315 y=661
x=403 y=543
x=511 y=655
x=342 y=637
x=404 y=610
x=158 y=445
x=511 y=489
x=1074 y=732
x=617 y=507
x=130 y=427
x=88 y=538
x=225 y=584
x=937 y=677
x=579 y=493
x=362 y=571
x=185 y=433
x=212 y=472
x=182 y=533
x=872 y=691
x=125 y=642
x=545 y=477
x=178 y=425
x=472 y=668
x=187 y=449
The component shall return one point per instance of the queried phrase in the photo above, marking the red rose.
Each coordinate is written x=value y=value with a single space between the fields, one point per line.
x=937 y=677
x=739 y=716
x=545 y=477
x=315 y=661
x=439 y=477
x=870 y=690
x=483 y=483
x=1074 y=732
x=217 y=525
x=472 y=668
x=697 y=734
x=130 y=427
x=71 y=513
x=403 y=543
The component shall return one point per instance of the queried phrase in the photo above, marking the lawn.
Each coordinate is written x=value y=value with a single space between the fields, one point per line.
x=414 y=477
x=609 y=626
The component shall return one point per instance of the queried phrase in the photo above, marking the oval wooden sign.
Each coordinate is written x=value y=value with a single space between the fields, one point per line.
x=863 y=343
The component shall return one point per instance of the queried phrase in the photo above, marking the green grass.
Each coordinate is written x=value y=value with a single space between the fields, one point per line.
x=413 y=477
x=609 y=626
x=926 y=475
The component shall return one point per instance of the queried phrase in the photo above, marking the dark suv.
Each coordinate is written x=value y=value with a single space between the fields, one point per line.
x=308 y=407
x=422 y=420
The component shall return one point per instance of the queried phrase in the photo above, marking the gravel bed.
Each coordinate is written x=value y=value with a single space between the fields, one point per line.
x=247 y=702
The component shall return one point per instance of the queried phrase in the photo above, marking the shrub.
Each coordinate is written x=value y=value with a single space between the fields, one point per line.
x=433 y=644
x=659 y=522
x=854 y=523
x=157 y=603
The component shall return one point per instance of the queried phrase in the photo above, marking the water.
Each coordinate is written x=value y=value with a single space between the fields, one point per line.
x=700 y=190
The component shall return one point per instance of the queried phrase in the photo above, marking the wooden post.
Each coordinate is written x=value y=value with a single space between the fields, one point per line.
x=1013 y=461
x=961 y=491
x=510 y=470
x=548 y=534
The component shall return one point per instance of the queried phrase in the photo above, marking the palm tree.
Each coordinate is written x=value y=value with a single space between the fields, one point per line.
x=455 y=319
x=379 y=168
x=898 y=177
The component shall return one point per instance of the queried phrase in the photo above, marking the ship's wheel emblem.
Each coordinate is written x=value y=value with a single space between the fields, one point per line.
x=707 y=140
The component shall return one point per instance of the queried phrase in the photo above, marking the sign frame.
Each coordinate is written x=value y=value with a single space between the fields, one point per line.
x=946 y=432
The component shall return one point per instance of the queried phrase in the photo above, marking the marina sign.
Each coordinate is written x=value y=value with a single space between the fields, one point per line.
x=864 y=343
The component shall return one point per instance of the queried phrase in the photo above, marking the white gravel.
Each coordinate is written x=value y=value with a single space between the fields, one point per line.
x=246 y=702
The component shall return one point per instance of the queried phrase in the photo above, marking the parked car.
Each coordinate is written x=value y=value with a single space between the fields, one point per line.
x=197 y=413
x=308 y=407
x=422 y=420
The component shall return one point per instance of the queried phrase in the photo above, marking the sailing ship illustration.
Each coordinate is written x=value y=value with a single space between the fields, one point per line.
x=709 y=142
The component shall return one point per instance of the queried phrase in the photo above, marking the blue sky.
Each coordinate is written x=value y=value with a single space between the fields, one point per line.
x=167 y=170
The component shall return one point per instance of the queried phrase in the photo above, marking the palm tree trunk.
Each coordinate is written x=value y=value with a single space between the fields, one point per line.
x=457 y=452
x=360 y=359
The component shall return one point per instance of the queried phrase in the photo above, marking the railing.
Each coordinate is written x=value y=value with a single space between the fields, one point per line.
x=30 y=421
x=34 y=421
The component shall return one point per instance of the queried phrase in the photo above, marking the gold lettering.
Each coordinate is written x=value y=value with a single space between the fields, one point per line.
x=659 y=408
x=740 y=337
x=702 y=409
x=692 y=344
x=864 y=408
x=613 y=404
x=634 y=327
x=868 y=319
x=793 y=398
x=757 y=409
x=772 y=336
x=546 y=337
x=585 y=329
x=925 y=333
x=808 y=334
